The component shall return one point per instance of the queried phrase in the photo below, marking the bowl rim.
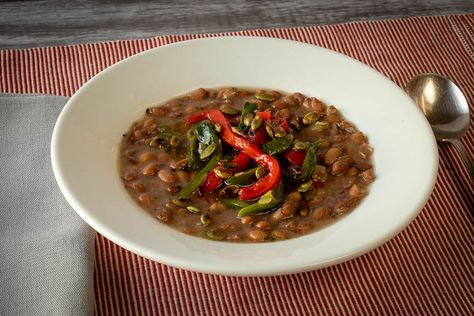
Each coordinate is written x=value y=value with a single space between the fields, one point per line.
x=118 y=239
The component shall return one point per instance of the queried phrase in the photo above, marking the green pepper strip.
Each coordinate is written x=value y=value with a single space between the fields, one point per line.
x=194 y=161
x=236 y=203
x=278 y=145
x=309 y=163
x=200 y=176
x=205 y=133
x=242 y=178
x=260 y=207
x=249 y=107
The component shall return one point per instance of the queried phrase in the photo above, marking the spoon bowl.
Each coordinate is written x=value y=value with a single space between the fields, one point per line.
x=445 y=107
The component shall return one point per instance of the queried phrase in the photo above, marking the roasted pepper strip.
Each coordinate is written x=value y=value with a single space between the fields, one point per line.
x=271 y=164
x=278 y=145
x=200 y=177
x=236 y=203
x=308 y=164
x=242 y=178
x=270 y=200
x=295 y=157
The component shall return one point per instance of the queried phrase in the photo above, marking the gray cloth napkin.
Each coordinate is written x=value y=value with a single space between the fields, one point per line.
x=46 y=250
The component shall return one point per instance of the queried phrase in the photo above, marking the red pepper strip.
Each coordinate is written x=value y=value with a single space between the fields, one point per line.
x=241 y=161
x=264 y=184
x=296 y=157
x=265 y=115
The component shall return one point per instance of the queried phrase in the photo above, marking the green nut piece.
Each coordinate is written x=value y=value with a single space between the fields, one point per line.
x=269 y=130
x=248 y=119
x=223 y=173
x=193 y=209
x=175 y=141
x=229 y=109
x=208 y=151
x=305 y=186
x=320 y=126
x=295 y=123
x=256 y=123
x=279 y=132
x=300 y=146
x=218 y=127
x=205 y=220
x=265 y=96
x=238 y=131
x=260 y=172
x=215 y=234
x=180 y=202
x=310 y=118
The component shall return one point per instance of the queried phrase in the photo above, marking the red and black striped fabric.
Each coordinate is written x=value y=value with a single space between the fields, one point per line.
x=427 y=269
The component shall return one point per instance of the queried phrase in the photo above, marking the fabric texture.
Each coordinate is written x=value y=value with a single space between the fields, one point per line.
x=425 y=270
x=46 y=249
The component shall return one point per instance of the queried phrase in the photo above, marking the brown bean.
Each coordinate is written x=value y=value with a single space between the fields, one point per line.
x=331 y=155
x=279 y=104
x=257 y=235
x=190 y=109
x=130 y=174
x=317 y=200
x=247 y=220
x=166 y=176
x=284 y=113
x=181 y=211
x=199 y=94
x=339 y=167
x=294 y=196
x=150 y=169
x=163 y=157
x=352 y=172
x=217 y=207
x=138 y=134
x=346 y=205
x=234 y=236
x=357 y=191
x=174 y=105
x=228 y=226
x=348 y=182
x=145 y=199
x=313 y=104
x=365 y=151
x=367 y=176
x=173 y=189
x=180 y=164
x=303 y=227
x=158 y=111
x=164 y=216
x=330 y=110
x=358 y=138
x=182 y=176
x=147 y=156
x=263 y=225
x=227 y=93
x=321 y=213
x=171 y=207
x=333 y=118
x=149 y=123
x=278 y=235
x=137 y=187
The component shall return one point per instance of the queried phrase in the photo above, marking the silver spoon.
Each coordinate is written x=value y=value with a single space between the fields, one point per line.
x=445 y=107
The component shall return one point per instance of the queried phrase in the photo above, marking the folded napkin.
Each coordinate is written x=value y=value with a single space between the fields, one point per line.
x=46 y=250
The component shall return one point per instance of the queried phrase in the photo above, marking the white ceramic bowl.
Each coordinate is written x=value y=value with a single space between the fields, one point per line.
x=88 y=132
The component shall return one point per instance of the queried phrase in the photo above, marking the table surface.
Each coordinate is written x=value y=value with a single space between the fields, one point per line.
x=58 y=22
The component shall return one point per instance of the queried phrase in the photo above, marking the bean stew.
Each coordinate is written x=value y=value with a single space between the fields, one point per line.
x=245 y=165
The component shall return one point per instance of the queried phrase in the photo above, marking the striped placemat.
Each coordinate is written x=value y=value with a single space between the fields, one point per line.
x=426 y=270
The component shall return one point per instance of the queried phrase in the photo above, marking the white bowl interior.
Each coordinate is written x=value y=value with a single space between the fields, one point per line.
x=88 y=133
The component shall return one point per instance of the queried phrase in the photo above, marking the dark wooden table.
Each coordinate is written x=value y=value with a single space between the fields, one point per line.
x=59 y=22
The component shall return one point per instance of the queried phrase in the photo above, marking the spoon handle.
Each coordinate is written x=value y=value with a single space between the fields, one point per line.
x=464 y=156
